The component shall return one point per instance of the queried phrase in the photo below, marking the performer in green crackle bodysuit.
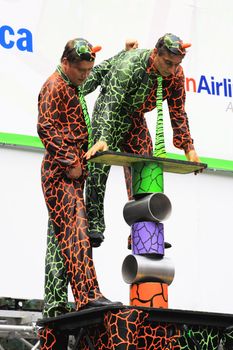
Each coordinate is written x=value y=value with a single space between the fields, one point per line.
x=129 y=83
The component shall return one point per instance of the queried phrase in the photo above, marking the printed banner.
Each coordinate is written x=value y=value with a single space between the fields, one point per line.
x=33 y=35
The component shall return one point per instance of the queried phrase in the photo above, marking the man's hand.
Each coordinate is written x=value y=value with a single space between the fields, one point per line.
x=74 y=173
x=131 y=44
x=192 y=156
x=99 y=146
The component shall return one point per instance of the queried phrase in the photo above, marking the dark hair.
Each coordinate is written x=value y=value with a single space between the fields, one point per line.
x=78 y=50
x=170 y=43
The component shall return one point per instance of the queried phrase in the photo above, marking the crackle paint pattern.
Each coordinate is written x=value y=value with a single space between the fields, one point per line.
x=162 y=336
x=131 y=330
x=128 y=90
x=147 y=238
x=56 y=278
x=147 y=178
x=63 y=131
x=149 y=294
x=52 y=340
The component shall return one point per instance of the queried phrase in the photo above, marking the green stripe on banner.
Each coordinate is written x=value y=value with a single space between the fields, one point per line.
x=20 y=140
x=33 y=142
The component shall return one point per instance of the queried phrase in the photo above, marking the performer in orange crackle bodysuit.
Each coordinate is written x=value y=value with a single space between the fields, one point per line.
x=63 y=127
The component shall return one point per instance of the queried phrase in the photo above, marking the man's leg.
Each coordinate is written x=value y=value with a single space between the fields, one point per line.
x=95 y=192
x=65 y=203
x=56 y=280
x=70 y=226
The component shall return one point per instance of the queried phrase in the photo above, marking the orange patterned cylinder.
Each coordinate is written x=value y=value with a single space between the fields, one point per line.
x=149 y=294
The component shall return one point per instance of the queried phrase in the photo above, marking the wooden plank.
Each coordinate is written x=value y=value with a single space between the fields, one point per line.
x=128 y=159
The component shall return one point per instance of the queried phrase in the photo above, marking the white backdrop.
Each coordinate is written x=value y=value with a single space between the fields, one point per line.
x=200 y=225
x=199 y=229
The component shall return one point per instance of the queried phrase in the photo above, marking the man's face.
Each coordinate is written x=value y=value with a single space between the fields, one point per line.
x=77 y=72
x=167 y=64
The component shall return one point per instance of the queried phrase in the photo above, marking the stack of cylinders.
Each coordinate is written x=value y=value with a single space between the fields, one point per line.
x=147 y=270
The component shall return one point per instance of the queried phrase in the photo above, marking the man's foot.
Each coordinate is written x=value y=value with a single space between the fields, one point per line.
x=167 y=245
x=102 y=301
x=96 y=239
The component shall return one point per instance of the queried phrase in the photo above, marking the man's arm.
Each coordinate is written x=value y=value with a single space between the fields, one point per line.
x=107 y=116
x=99 y=71
x=96 y=76
x=107 y=113
x=65 y=155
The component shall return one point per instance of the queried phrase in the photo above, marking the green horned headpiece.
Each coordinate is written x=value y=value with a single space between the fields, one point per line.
x=173 y=44
x=85 y=50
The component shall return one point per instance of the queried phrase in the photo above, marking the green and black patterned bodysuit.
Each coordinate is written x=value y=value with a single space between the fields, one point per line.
x=128 y=90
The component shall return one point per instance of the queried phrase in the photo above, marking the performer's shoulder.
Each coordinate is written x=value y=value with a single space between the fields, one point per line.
x=178 y=78
x=137 y=54
x=53 y=82
x=136 y=57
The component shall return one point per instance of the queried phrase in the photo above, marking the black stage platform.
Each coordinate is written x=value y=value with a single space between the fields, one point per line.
x=92 y=316
x=187 y=329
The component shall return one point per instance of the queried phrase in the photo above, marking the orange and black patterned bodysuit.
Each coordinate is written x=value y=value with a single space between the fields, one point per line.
x=63 y=131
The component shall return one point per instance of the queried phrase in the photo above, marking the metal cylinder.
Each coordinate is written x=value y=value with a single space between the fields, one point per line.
x=152 y=207
x=138 y=268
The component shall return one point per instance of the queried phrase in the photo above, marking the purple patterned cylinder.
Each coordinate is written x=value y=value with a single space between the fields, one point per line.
x=147 y=238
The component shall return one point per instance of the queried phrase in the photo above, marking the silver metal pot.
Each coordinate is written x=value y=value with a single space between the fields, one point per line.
x=138 y=268
x=152 y=207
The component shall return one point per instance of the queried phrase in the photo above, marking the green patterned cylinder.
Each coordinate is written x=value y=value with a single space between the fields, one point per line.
x=147 y=177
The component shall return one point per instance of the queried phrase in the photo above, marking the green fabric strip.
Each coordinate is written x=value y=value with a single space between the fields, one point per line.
x=159 y=148
x=33 y=142
x=86 y=116
x=82 y=102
